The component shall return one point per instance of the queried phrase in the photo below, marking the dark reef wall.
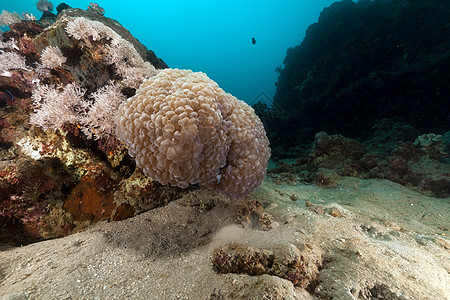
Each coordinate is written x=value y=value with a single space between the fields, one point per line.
x=363 y=62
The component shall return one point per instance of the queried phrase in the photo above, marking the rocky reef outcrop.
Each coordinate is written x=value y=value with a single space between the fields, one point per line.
x=422 y=165
x=362 y=62
x=56 y=182
x=366 y=94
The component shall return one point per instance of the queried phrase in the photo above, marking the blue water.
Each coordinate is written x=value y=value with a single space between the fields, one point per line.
x=214 y=36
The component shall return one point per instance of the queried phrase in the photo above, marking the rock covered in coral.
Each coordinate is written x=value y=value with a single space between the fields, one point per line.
x=54 y=185
x=143 y=193
x=326 y=178
x=336 y=152
x=55 y=182
x=287 y=262
x=422 y=165
x=432 y=144
x=30 y=189
x=146 y=54
x=410 y=165
x=430 y=177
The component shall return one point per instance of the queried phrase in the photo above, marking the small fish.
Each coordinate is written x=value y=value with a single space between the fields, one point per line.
x=12 y=96
x=253 y=41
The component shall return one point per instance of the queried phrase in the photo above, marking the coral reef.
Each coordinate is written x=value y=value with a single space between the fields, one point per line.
x=70 y=171
x=358 y=65
x=61 y=82
x=376 y=106
x=87 y=92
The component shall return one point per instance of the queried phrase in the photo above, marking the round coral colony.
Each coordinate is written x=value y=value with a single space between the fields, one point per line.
x=183 y=129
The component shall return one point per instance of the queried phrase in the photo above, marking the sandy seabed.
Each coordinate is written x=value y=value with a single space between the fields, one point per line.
x=391 y=243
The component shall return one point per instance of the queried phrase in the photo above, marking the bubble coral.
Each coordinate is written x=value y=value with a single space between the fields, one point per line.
x=183 y=129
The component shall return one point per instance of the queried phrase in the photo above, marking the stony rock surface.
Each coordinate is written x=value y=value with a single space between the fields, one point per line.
x=285 y=261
